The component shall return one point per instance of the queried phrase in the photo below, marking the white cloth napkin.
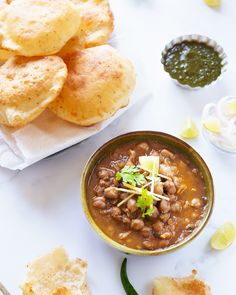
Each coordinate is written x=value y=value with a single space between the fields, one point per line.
x=20 y=148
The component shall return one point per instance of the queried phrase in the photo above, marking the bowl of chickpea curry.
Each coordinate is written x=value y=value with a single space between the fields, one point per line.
x=147 y=193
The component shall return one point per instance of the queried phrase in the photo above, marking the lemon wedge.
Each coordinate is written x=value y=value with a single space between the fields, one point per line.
x=148 y=162
x=212 y=124
x=190 y=129
x=231 y=107
x=223 y=237
x=213 y=3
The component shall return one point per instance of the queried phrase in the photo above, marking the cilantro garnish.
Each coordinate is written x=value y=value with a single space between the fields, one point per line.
x=145 y=203
x=131 y=175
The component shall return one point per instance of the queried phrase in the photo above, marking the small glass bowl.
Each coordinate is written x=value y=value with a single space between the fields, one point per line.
x=225 y=140
x=200 y=39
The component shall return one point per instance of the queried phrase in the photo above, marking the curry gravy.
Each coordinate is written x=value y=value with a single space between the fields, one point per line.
x=173 y=220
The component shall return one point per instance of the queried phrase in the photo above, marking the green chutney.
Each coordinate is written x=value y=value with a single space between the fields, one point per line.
x=193 y=63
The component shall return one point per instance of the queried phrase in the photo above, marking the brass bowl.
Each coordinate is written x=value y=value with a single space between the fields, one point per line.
x=167 y=140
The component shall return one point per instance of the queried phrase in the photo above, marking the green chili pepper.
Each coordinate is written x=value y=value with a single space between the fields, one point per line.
x=129 y=289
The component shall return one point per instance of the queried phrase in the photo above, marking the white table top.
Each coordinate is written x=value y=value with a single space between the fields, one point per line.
x=40 y=207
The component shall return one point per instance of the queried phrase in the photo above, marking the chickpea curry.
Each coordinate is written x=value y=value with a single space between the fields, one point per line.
x=146 y=196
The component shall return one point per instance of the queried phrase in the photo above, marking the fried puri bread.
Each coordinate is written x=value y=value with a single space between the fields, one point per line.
x=39 y=27
x=55 y=274
x=183 y=286
x=5 y=54
x=3 y=7
x=99 y=83
x=27 y=86
x=97 y=24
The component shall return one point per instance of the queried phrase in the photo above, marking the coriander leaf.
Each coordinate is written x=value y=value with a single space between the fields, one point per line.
x=148 y=212
x=118 y=176
x=131 y=175
x=145 y=203
x=130 y=169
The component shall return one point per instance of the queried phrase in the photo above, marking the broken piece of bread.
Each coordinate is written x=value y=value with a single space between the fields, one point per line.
x=55 y=274
x=180 y=286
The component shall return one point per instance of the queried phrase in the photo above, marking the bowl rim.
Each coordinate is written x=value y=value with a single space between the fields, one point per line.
x=125 y=249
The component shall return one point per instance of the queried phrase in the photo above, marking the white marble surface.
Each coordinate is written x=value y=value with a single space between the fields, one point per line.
x=40 y=206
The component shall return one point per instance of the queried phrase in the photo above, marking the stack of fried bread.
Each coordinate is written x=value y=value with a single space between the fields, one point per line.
x=55 y=56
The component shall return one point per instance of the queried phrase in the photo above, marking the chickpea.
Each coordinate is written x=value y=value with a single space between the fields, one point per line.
x=105 y=174
x=146 y=231
x=158 y=226
x=166 y=170
x=98 y=190
x=154 y=215
x=164 y=206
x=111 y=193
x=171 y=227
x=194 y=215
x=131 y=205
x=176 y=207
x=124 y=235
x=196 y=202
x=170 y=187
x=123 y=196
x=143 y=146
x=100 y=198
x=104 y=183
x=186 y=220
x=158 y=188
x=125 y=220
x=173 y=198
x=149 y=244
x=186 y=205
x=132 y=158
x=167 y=154
x=177 y=181
x=114 y=182
x=172 y=221
x=137 y=224
x=165 y=217
x=99 y=202
x=116 y=213
x=154 y=153
x=167 y=161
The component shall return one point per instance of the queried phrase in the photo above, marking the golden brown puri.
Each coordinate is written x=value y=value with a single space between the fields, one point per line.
x=27 y=86
x=183 y=286
x=3 y=6
x=97 y=24
x=5 y=54
x=55 y=274
x=38 y=27
x=100 y=82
